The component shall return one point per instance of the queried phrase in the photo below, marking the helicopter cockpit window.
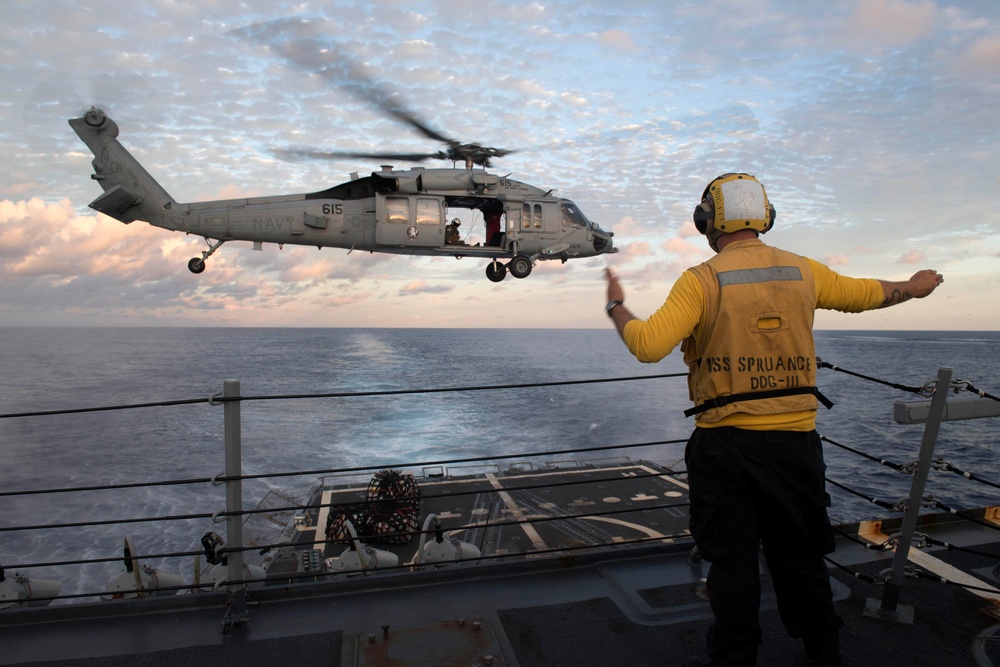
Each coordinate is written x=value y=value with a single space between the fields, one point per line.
x=397 y=210
x=572 y=217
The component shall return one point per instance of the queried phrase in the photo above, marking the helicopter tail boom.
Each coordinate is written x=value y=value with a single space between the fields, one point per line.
x=130 y=193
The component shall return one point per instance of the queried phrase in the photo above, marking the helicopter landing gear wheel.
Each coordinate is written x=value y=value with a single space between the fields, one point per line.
x=496 y=271
x=197 y=264
x=520 y=266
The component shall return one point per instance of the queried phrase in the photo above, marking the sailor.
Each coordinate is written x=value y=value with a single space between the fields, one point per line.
x=493 y=227
x=451 y=236
x=755 y=462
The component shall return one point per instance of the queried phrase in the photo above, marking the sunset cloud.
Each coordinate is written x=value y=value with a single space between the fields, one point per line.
x=837 y=260
x=623 y=108
x=912 y=257
x=417 y=287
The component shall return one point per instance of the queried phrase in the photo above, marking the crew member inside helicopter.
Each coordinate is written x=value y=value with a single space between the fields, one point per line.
x=493 y=234
x=451 y=236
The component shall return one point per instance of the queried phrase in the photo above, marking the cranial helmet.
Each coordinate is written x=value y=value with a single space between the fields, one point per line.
x=730 y=203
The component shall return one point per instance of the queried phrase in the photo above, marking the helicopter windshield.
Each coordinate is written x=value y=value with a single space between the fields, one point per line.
x=572 y=216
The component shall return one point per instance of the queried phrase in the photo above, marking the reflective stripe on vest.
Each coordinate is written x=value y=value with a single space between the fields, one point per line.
x=765 y=275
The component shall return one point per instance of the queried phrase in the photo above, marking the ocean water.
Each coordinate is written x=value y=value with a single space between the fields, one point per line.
x=68 y=368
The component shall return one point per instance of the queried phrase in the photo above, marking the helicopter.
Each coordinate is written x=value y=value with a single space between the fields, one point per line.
x=391 y=211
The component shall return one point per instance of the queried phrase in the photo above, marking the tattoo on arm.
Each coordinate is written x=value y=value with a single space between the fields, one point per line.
x=894 y=296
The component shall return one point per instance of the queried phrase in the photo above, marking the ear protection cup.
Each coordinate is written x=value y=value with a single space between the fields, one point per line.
x=704 y=215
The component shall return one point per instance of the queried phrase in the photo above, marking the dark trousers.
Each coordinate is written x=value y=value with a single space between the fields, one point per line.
x=763 y=487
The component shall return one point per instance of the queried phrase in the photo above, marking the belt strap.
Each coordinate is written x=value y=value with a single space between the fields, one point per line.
x=720 y=401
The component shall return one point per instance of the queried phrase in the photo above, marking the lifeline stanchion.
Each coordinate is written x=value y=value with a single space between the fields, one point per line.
x=236 y=597
x=890 y=607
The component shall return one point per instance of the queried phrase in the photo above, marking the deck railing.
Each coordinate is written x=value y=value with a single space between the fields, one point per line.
x=942 y=406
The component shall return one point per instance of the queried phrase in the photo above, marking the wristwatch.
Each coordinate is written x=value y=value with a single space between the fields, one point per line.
x=611 y=306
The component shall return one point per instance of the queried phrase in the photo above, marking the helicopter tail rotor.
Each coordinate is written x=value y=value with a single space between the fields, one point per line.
x=76 y=94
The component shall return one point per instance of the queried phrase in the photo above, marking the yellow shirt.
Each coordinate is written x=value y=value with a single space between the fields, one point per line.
x=653 y=339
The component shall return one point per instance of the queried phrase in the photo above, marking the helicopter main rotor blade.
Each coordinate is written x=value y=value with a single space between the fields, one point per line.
x=306 y=43
x=312 y=52
x=388 y=102
x=300 y=153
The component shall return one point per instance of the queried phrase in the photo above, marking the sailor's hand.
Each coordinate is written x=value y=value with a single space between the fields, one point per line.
x=615 y=291
x=924 y=282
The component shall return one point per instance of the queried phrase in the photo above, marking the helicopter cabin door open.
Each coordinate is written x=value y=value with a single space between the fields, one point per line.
x=408 y=220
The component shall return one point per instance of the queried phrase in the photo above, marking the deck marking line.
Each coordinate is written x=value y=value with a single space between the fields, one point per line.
x=323 y=516
x=649 y=532
x=515 y=511
x=666 y=478
x=949 y=572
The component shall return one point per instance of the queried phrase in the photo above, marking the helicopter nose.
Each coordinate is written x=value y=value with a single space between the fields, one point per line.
x=603 y=243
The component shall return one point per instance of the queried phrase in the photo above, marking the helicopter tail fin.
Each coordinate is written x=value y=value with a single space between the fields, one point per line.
x=130 y=193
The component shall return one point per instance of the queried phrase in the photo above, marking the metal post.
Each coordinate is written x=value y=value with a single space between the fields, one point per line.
x=237 y=613
x=890 y=598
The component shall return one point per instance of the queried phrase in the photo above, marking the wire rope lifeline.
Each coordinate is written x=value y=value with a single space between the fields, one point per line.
x=220 y=515
x=898 y=467
x=403 y=566
x=910 y=468
x=954 y=547
x=262 y=548
x=941 y=464
x=895 y=385
x=926 y=390
x=871 y=499
x=220 y=478
x=219 y=399
x=934 y=502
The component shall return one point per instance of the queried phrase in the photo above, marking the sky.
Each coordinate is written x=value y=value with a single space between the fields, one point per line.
x=873 y=124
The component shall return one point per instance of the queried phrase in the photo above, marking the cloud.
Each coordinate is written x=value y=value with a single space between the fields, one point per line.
x=891 y=23
x=49 y=239
x=414 y=48
x=233 y=191
x=312 y=265
x=652 y=276
x=573 y=100
x=982 y=57
x=102 y=270
x=619 y=39
x=632 y=251
x=685 y=251
x=417 y=287
x=688 y=230
x=307 y=272
x=627 y=227
x=867 y=119
x=836 y=260
x=912 y=257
